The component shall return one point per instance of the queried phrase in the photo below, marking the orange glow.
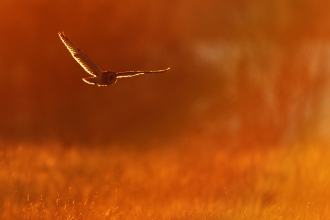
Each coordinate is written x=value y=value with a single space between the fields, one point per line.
x=233 y=129
x=251 y=70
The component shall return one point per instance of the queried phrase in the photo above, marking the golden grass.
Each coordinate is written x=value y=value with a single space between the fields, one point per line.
x=183 y=181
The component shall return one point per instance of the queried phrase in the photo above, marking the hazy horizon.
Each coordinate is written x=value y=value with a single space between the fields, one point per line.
x=244 y=73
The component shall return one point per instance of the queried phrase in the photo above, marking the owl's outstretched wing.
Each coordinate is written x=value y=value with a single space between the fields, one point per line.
x=136 y=73
x=84 y=61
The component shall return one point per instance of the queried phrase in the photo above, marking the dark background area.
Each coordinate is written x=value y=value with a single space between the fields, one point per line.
x=243 y=73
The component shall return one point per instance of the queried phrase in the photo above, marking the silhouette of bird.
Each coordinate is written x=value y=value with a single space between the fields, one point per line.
x=99 y=77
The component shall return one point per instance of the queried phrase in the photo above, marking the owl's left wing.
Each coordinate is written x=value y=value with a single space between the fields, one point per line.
x=136 y=73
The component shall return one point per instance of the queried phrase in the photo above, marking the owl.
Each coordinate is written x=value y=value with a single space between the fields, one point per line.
x=99 y=77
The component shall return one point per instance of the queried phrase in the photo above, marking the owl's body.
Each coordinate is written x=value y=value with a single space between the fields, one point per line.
x=105 y=79
x=99 y=77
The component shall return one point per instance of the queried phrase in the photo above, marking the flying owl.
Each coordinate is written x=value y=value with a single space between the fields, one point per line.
x=99 y=77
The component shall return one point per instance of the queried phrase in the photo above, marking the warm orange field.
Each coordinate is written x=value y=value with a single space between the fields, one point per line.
x=184 y=181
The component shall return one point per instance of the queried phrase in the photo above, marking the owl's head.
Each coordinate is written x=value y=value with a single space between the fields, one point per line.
x=110 y=77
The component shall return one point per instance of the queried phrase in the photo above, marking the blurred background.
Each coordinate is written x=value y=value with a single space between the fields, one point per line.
x=243 y=73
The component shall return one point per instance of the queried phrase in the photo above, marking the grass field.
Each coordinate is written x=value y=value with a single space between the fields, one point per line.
x=186 y=180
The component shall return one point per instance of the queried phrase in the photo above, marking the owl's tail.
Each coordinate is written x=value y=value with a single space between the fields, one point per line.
x=90 y=80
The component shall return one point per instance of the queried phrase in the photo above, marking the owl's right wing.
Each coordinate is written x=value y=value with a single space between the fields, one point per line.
x=84 y=61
